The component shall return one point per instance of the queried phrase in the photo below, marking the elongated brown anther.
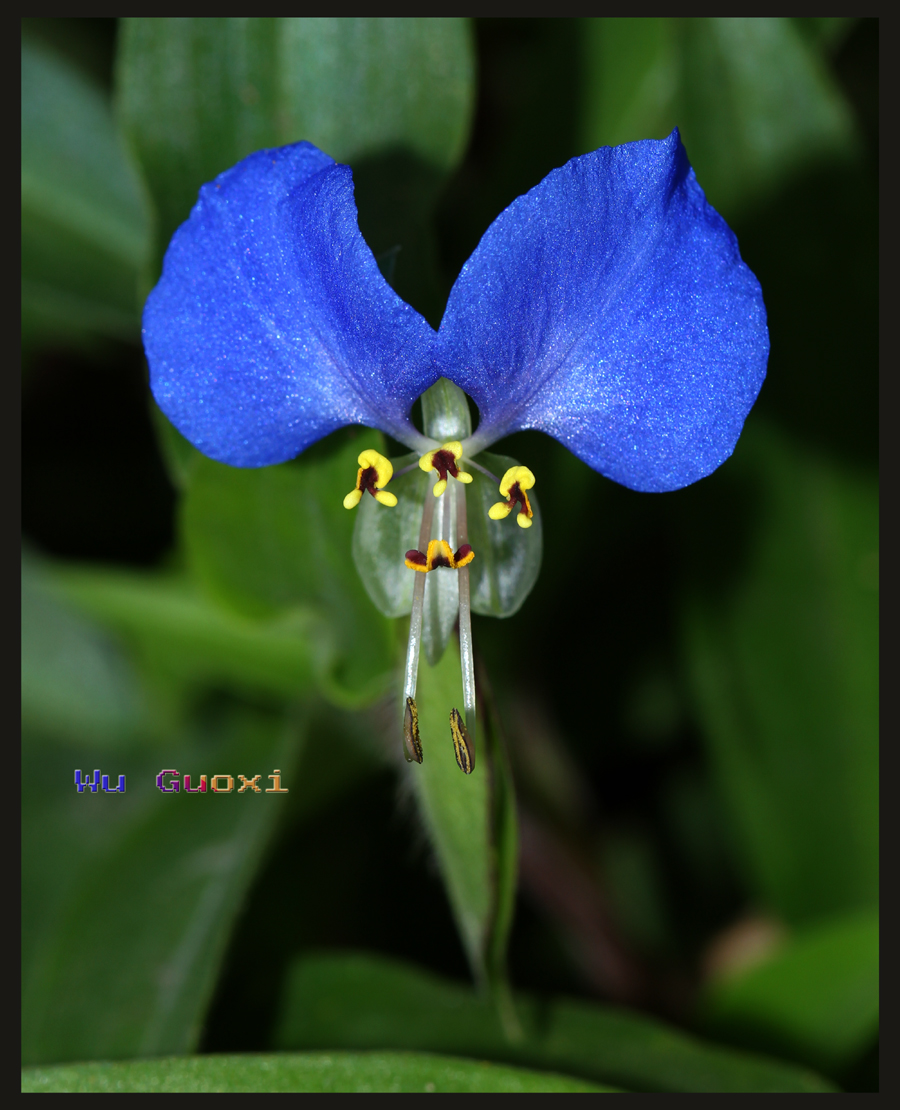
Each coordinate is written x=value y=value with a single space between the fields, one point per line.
x=412 y=745
x=463 y=745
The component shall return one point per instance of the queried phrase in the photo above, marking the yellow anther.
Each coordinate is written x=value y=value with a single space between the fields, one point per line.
x=374 y=472
x=439 y=554
x=516 y=474
x=513 y=485
x=444 y=460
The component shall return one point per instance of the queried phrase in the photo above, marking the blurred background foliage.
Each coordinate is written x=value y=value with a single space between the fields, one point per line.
x=687 y=701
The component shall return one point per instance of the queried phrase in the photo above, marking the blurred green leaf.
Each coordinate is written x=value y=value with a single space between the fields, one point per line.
x=76 y=683
x=266 y=541
x=85 y=227
x=128 y=962
x=177 y=633
x=364 y=1001
x=363 y=1073
x=197 y=95
x=753 y=99
x=782 y=653
x=825 y=32
x=816 y=999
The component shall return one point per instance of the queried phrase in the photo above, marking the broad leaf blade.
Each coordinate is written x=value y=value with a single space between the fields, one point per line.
x=197 y=95
x=816 y=998
x=263 y=542
x=127 y=964
x=76 y=683
x=783 y=661
x=366 y=1001
x=752 y=98
x=359 y=1072
x=179 y=635
x=85 y=226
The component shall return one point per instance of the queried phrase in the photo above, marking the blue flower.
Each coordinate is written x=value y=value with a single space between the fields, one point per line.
x=608 y=307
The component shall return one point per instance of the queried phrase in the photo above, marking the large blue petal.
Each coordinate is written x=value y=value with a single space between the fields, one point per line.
x=271 y=324
x=610 y=308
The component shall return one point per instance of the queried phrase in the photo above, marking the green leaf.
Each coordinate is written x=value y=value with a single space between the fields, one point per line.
x=127 y=961
x=389 y=1072
x=267 y=541
x=85 y=227
x=197 y=95
x=782 y=656
x=752 y=97
x=363 y=1001
x=76 y=683
x=455 y=807
x=815 y=999
x=178 y=634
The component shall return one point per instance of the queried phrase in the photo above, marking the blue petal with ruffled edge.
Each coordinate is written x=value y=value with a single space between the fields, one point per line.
x=271 y=324
x=610 y=308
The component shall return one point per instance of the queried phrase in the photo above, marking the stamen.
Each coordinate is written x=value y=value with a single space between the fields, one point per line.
x=466 y=649
x=463 y=746
x=444 y=460
x=439 y=554
x=513 y=485
x=412 y=745
x=374 y=472
x=415 y=616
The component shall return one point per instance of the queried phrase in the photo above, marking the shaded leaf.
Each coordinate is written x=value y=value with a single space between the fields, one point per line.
x=177 y=633
x=783 y=661
x=127 y=964
x=76 y=683
x=263 y=542
x=197 y=95
x=393 y=1072
x=85 y=226
x=816 y=998
x=364 y=1001
x=752 y=97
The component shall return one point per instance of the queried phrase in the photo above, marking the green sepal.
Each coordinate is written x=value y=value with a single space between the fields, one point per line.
x=507 y=558
x=383 y=535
